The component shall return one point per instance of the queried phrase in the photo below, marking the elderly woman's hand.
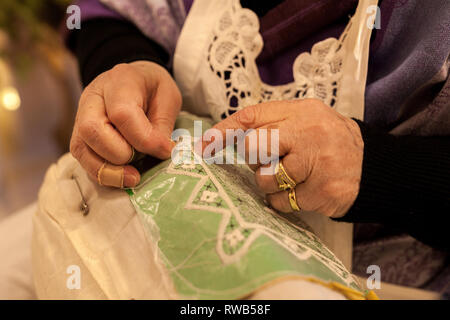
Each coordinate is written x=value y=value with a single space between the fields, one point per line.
x=319 y=148
x=131 y=105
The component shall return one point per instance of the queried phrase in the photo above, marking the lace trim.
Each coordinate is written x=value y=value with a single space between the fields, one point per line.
x=234 y=46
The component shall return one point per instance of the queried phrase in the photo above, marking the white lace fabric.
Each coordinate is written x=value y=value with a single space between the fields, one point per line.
x=215 y=66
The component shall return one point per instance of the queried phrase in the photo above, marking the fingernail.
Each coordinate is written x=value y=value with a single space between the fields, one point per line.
x=130 y=179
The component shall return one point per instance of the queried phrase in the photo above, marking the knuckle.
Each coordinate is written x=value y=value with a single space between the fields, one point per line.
x=119 y=116
x=271 y=199
x=259 y=180
x=89 y=131
x=94 y=87
x=328 y=162
x=84 y=95
x=87 y=93
x=119 y=69
x=120 y=72
x=331 y=190
x=76 y=148
x=246 y=116
x=265 y=180
x=163 y=120
x=276 y=202
x=120 y=158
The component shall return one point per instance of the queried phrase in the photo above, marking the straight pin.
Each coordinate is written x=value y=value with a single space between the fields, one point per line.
x=83 y=206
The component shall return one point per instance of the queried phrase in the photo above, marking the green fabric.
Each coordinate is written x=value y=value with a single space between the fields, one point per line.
x=216 y=236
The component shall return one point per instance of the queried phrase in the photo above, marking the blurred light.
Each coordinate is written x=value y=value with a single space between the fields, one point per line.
x=9 y=98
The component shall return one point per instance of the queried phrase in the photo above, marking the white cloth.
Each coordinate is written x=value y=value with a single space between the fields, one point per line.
x=108 y=245
x=15 y=251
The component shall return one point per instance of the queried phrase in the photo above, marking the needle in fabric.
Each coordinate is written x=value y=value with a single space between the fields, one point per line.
x=83 y=206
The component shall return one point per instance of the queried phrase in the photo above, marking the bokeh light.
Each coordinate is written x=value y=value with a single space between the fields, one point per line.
x=10 y=98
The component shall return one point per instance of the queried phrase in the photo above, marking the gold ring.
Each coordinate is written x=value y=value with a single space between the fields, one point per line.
x=293 y=200
x=284 y=181
x=133 y=155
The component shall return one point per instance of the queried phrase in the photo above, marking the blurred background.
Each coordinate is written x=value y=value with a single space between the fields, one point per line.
x=39 y=90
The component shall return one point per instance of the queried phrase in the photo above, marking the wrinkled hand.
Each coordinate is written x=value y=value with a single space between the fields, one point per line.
x=319 y=148
x=132 y=104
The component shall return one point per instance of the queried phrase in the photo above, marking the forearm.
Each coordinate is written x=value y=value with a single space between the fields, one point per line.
x=405 y=183
x=103 y=43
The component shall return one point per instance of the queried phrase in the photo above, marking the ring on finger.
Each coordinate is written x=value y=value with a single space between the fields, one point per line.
x=293 y=200
x=285 y=182
x=133 y=155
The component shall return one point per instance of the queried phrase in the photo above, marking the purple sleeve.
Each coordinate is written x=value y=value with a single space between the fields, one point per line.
x=91 y=9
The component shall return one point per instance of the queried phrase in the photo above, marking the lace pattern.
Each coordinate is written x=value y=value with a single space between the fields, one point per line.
x=234 y=46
